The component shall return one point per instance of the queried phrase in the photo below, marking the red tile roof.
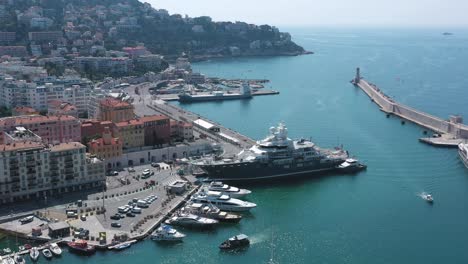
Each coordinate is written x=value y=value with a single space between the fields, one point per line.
x=111 y=102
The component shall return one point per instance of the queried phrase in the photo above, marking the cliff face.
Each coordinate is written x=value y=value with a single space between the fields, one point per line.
x=129 y=22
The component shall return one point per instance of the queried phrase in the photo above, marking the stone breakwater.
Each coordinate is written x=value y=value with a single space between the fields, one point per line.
x=453 y=128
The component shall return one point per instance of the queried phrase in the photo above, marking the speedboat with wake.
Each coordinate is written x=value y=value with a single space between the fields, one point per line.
x=167 y=233
x=427 y=197
x=235 y=242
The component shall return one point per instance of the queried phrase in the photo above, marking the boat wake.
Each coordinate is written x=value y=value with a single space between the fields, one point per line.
x=422 y=195
x=259 y=238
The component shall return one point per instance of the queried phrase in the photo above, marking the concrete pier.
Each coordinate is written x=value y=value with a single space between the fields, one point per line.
x=452 y=131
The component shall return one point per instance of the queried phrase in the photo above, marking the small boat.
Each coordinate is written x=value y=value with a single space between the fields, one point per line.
x=47 y=254
x=235 y=242
x=7 y=251
x=167 y=233
x=81 y=247
x=34 y=253
x=427 y=197
x=351 y=166
x=19 y=259
x=8 y=260
x=122 y=246
x=55 y=249
x=191 y=220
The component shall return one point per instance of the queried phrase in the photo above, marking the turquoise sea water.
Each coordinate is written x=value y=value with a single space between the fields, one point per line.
x=375 y=216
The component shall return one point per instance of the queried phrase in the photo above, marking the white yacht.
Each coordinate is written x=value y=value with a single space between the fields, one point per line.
x=34 y=253
x=8 y=260
x=167 y=233
x=232 y=191
x=191 y=220
x=211 y=211
x=222 y=201
x=55 y=249
x=19 y=259
x=463 y=152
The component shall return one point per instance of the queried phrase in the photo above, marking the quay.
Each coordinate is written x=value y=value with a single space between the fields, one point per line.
x=175 y=97
x=450 y=132
x=97 y=223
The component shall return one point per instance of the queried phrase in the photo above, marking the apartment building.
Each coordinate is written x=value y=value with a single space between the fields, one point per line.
x=33 y=170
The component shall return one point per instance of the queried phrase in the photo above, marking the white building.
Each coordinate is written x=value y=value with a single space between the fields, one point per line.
x=32 y=170
x=21 y=93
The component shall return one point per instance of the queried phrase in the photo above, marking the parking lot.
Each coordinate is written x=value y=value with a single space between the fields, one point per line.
x=120 y=195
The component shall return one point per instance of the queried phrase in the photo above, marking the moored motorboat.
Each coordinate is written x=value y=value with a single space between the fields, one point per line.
x=47 y=253
x=463 y=153
x=232 y=191
x=6 y=251
x=19 y=259
x=222 y=201
x=122 y=246
x=8 y=260
x=81 y=247
x=191 y=220
x=235 y=242
x=351 y=166
x=211 y=211
x=55 y=249
x=34 y=253
x=167 y=233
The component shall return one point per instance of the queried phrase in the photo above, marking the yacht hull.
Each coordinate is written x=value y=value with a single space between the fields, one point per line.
x=248 y=171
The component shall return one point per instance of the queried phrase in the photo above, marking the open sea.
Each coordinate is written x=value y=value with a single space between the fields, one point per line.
x=376 y=216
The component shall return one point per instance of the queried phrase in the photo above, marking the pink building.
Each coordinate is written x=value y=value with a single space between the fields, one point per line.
x=51 y=129
x=134 y=52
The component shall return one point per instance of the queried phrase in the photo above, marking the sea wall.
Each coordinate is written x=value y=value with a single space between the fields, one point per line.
x=431 y=122
x=381 y=99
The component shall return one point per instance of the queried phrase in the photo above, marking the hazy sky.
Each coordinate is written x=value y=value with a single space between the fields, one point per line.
x=326 y=12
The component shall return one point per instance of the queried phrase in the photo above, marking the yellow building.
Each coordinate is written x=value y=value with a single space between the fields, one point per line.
x=115 y=110
x=106 y=147
x=131 y=133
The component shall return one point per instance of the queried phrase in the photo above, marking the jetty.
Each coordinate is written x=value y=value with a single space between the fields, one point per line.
x=448 y=133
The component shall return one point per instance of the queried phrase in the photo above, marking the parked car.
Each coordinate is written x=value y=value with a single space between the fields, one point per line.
x=130 y=214
x=115 y=217
x=115 y=224
x=136 y=210
x=131 y=169
x=154 y=164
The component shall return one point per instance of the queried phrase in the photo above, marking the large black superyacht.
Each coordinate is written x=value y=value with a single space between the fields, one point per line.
x=273 y=157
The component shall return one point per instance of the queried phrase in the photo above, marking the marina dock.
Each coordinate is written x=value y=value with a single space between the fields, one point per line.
x=451 y=132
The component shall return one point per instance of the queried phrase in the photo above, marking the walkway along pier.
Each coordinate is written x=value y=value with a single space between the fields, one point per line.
x=452 y=132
